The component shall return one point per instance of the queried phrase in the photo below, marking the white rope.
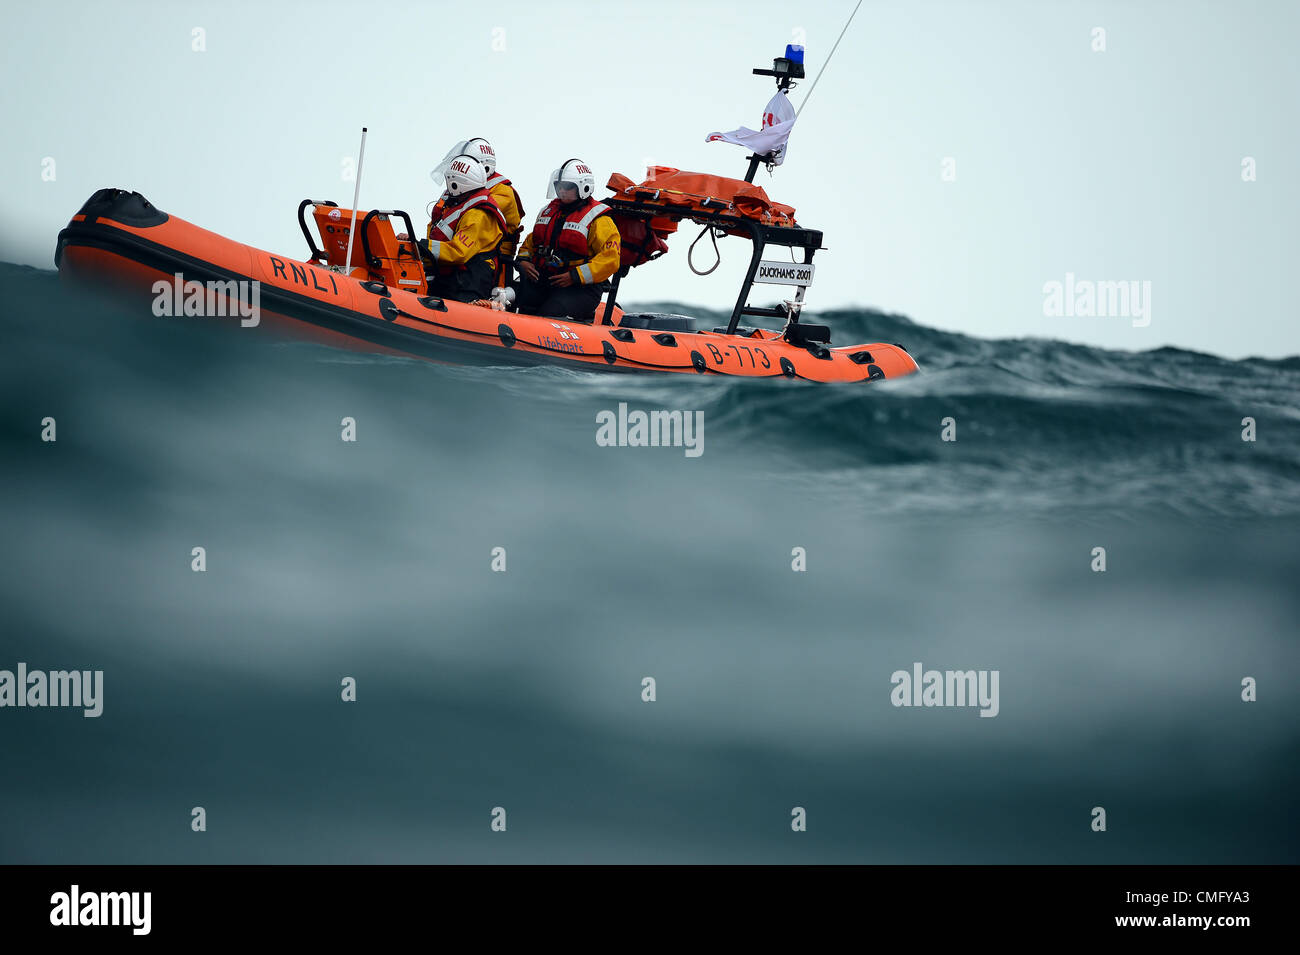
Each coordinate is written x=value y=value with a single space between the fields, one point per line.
x=808 y=95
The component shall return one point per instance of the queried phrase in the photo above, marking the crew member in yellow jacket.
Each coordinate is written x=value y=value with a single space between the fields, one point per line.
x=572 y=250
x=505 y=196
x=466 y=229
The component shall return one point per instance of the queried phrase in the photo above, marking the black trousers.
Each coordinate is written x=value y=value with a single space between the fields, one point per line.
x=577 y=302
x=455 y=288
x=468 y=284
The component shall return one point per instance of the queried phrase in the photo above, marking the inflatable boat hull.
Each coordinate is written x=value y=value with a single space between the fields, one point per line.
x=119 y=238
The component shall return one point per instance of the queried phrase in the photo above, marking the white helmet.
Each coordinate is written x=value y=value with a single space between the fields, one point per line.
x=465 y=174
x=479 y=148
x=482 y=150
x=574 y=174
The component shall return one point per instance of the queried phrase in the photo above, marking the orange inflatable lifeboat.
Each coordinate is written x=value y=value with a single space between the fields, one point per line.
x=378 y=300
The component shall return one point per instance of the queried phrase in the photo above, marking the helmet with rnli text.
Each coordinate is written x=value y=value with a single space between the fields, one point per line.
x=575 y=174
x=464 y=175
x=482 y=150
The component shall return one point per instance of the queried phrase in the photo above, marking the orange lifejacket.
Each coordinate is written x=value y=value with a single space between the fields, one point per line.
x=639 y=241
x=444 y=217
x=475 y=278
x=566 y=232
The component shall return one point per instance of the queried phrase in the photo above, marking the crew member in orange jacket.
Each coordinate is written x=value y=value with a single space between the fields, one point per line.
x=572 y=250
x=466 y=229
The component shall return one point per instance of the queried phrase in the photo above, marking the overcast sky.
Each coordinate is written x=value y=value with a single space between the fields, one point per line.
x=1116 y=165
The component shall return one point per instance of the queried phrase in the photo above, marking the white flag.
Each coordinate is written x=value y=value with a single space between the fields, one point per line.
x=778 y=120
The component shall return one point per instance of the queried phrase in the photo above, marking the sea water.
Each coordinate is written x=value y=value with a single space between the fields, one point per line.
x=358 y=650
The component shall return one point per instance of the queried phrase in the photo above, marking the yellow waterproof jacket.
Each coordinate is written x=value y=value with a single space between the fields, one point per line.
x=602 y=260
x=507 y=200
x=477 y=232
x=463 y=247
